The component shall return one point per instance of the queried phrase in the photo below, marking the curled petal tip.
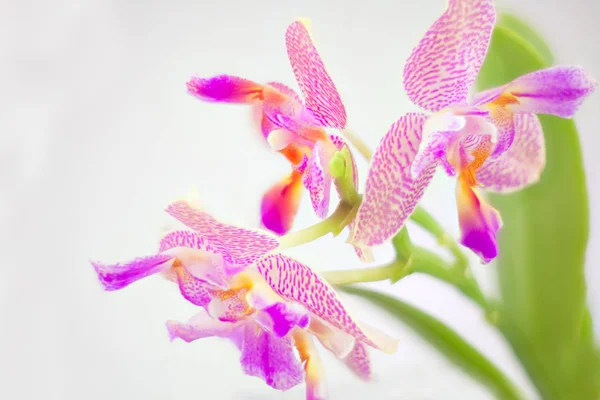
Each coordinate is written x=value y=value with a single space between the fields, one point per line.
x=225 y=88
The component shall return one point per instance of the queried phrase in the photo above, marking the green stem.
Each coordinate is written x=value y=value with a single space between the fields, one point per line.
x=421 y=261
x=426 y=221
x=330 y=224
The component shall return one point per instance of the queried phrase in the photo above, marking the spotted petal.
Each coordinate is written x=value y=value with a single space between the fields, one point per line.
x=317 y=179
x=226 y=89
x=359 y=361
x=238 y=246
x=391 y=194
x=321 y=96
x=297 y=282
x=117 y=276
x=443 y=67
x=270 y=358
x=522 y=164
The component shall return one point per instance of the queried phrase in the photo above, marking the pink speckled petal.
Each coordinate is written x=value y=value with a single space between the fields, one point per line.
x=195 y=290
x=200 y=326
x=117 y=276
x=297 y=282
x=225 y=88
x=391 y=194
x=317 y=179
x=522 y=164
x=270 y=358
x=279 y=205
x=238 y=246
x=320 y=93
x=443 y=67
x=558 y=90
x=182 y=238
x=359 y=361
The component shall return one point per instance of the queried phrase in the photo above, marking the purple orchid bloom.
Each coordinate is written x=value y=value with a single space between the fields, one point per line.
x=266 y=303
x=493 y=140
x=292 y=127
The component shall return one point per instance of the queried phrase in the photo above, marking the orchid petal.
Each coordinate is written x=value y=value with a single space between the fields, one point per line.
x=195 y=290
x=359 y=362
x=438 y=132
x=317 y=179
x=226 y=89
x=285 y=317
x=479 y=222
x=391 y=194
x=270 y=358
x=297 y=282
x=316 y=388
x=443 y=67
x=180 y=238
x=522 y=164
x=320 y=93
x=558 y=90
x=238 y=246
x=333 y=339
x=279 y=205
x=118 y=276
x=200 y=326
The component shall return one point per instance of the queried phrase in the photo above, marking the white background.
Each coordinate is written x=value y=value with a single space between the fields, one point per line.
x=97 y=135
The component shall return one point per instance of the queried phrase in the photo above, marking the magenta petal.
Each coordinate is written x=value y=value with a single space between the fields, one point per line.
x=522 y=164
x=298 y=283
x=279 y=204
x=225 y=88
x=320 y=93
x=200 y=326
x=117 y=276
x=359 y=362
x=558 y=90
x=391 y=194
x=444 y=65
x=479 y=222
x=238 y=246
x=316 y=178
x=270 y=358
x=284 y=318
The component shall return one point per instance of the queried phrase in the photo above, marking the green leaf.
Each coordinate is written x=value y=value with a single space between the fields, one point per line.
x=543 y=241
x=448 y=342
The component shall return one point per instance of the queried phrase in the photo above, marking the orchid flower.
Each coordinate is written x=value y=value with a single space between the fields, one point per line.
x=267 y=304
x=493 y=139
x=292 y=127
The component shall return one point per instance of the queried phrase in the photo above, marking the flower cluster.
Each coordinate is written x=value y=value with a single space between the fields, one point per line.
x=272 y=307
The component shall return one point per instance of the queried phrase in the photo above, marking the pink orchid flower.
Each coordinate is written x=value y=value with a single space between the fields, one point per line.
x=493 y=140
x=267 y=304
x=292 y=127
